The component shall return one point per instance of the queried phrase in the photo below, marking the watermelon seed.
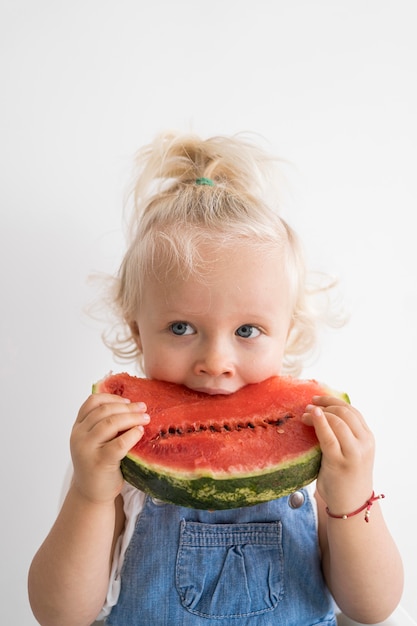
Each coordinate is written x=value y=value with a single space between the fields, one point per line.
x=219 y=427
x=280 y=421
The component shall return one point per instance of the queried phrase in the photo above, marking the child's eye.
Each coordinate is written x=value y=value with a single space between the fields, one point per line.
x=247 y=331
x=181 y=328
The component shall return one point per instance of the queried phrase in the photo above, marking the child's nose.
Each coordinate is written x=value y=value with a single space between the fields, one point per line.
x=215 y=361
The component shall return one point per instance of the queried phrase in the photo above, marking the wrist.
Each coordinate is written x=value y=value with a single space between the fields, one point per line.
x=83 y=498
x=364 y=508
x=348 y=495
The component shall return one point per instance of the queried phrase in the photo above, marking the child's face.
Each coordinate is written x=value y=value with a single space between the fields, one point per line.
x=221 y=333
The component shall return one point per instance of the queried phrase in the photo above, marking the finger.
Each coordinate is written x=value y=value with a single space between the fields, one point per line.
x=338 y=434
x=114 y=424
x=343 y=410
x=316 y=417
x=325 y=401
x=98 y=408
x=95 y=400
x=118 y=447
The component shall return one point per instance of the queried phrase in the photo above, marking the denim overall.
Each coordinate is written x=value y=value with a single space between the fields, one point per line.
x=254 y=566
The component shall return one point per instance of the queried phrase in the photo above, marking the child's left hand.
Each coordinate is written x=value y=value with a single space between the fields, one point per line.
x=345 y=478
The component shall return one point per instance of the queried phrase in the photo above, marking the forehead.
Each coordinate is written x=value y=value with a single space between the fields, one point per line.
x=228 y=279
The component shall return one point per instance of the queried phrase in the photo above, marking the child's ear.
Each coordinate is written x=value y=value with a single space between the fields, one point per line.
x=134 y=328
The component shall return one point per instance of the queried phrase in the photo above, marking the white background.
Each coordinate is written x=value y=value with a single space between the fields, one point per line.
x=330 y=83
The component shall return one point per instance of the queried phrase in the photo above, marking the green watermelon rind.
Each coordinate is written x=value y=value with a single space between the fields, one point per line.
x=206 y=492
x=221 y=489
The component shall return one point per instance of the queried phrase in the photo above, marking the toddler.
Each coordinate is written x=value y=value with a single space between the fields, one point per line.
x=213 y=294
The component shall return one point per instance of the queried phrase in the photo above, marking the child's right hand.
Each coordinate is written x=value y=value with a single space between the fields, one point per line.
x=107 y=426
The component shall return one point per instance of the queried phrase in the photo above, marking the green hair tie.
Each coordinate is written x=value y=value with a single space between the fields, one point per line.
x=204 y=181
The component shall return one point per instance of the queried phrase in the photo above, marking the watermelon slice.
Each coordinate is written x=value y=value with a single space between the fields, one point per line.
x=221 y=451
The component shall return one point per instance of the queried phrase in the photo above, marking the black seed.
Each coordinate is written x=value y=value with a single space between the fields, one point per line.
x=219 y=427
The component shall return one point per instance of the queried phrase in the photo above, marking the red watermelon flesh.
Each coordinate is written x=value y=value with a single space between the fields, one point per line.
x=221 y=451
x=192 y=432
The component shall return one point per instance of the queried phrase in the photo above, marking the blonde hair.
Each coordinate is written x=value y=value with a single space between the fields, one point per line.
x=174 y=217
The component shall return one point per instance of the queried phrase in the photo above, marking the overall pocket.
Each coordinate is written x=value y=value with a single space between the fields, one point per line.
x=230 y=570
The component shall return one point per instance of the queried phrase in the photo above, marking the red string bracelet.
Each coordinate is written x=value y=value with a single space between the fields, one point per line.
x=365 y=507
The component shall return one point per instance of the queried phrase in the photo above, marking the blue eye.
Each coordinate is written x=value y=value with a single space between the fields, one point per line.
x=247 y=331
x=181 y=328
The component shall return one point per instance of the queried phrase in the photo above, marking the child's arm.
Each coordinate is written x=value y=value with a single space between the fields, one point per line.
x=361 y=563
x=69 y=575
